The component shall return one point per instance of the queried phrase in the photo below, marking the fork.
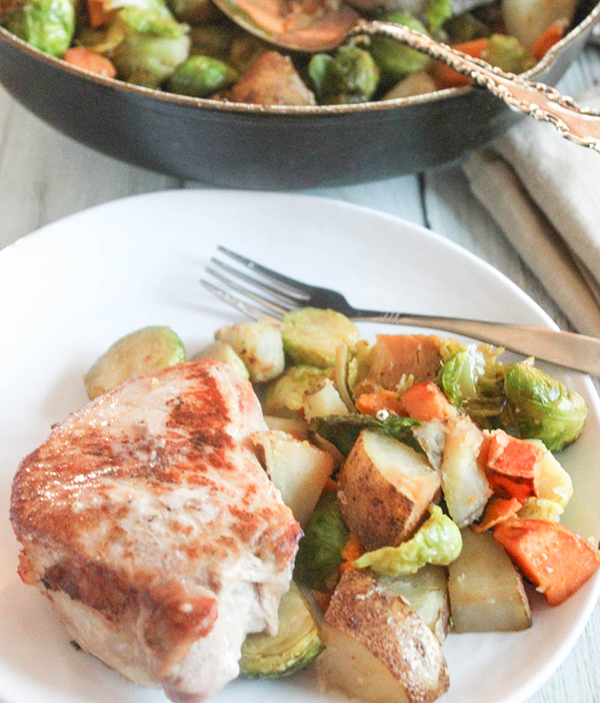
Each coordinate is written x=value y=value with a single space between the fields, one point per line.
x=277 y=294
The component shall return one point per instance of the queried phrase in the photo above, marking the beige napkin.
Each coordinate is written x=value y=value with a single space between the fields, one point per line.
x=544 y=193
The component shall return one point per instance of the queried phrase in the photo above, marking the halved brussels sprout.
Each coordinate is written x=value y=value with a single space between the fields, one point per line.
x=312 y=335
x=284 y=396
x=146 y=350
x=221 y=351
x=293 y=648
x=543 y=407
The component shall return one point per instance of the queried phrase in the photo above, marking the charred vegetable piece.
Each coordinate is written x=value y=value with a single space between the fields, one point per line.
x=201 y=76
x=312 y=335
x=542 y=407
x=320 y=553
x=48 y=25
x=149 y=349
x=192 y=11
x=296 y=644
x=351 y=76
x=438 y=541
x=343 y=430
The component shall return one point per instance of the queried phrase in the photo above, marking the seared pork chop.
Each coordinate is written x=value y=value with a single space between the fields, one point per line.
x=150 y=525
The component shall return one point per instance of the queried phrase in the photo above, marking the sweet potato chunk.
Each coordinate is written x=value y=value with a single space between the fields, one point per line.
x=397 y=355
x=557 y=560
x=385 y=488
x=426 y=402
x=498 y=510
x=513 y=466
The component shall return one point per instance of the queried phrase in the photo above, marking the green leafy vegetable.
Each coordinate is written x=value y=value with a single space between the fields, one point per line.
x=343 y=430
x=201 y=76
x=438 y=541
x=320 y=553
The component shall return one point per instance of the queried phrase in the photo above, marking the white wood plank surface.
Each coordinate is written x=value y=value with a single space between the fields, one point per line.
x=45 y=176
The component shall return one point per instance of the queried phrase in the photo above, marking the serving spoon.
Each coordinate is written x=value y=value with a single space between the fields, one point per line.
x=308 y=25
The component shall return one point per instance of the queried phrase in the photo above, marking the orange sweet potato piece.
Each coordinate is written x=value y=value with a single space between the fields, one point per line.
x=446 y=77
x=425 y=401
x=398 y=355
x=371 y=403
x=497 y=511
x=547 y=39
x=97 y=15
x=90 y=60
x=513 y=466
x=555 y=559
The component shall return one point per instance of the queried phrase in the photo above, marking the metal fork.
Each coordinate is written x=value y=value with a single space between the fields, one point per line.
x=277 y=294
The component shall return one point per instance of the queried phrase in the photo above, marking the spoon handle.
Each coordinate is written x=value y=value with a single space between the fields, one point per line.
x=580 y=125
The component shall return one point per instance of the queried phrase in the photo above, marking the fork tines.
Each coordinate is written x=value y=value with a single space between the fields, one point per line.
x=275 y=298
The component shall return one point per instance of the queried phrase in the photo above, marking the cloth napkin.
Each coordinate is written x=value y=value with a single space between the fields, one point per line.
x=544 y=193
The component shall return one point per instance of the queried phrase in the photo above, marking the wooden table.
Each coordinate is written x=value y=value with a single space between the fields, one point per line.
x=45 y=176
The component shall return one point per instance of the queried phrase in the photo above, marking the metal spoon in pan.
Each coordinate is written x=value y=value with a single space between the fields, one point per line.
x=309 y=26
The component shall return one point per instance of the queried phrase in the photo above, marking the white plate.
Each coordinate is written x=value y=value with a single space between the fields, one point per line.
x=71 y=289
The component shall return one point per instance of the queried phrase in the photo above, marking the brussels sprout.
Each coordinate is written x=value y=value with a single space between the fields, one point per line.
x=221 y=351
x=438 y=541
x=48 y=25
x=395 y=60
x=149 y=349
x=150 y=17
x=293 y=648
x=312 y=335
x=343 y=430
x=320 y=553
x=351 y=76
x=201 y=76
x=284 y=396
x=542 y=407
x=418 y=83
x=508 y=54
x=436 y=13
x=471 y=380
x=148 y=60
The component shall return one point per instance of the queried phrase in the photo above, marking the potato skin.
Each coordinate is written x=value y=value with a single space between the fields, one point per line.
x=392 y=632
x=379 y=512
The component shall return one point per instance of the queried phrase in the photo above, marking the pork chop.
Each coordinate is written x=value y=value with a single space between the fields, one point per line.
x=148 y=522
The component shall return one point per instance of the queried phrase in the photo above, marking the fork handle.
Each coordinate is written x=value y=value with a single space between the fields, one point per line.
x=574 y=351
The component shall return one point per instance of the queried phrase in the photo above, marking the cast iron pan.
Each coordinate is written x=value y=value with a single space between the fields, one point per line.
x=246 y=146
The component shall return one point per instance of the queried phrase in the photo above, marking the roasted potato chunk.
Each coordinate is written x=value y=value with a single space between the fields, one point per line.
x=486 y=590
x=385 y=488
x=376 y=647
